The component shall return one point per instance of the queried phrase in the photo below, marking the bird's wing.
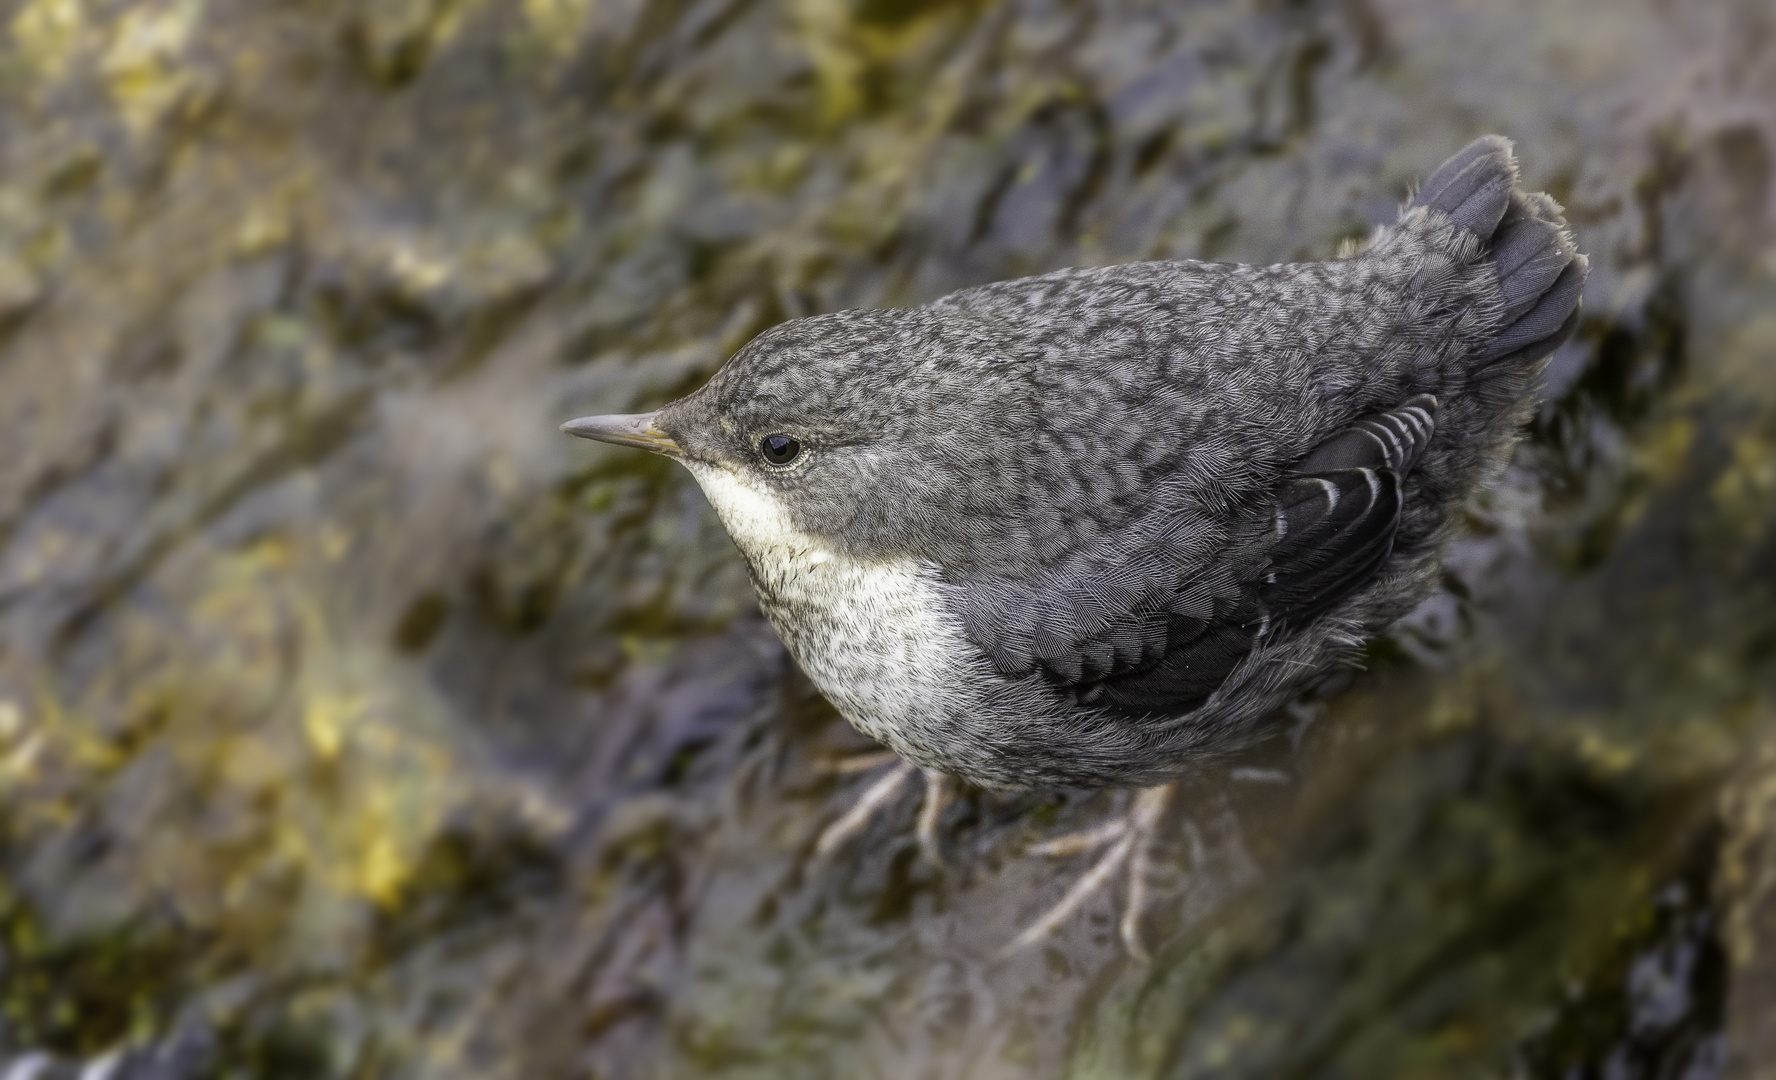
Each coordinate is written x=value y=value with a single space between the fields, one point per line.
x=1155 y=623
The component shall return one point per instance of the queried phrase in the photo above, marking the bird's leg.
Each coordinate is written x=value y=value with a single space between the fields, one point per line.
x=858 y=816
x=1150 y=807
x=1130 y=839
x=867 y=761
x=938 y=793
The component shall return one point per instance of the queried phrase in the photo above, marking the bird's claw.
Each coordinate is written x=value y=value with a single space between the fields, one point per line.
x=1131 y=839
x=939 y=791
x=938 y=794
x=854 y=819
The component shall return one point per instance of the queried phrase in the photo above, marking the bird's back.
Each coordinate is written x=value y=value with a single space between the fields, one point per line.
x=1462 y=297
x=1169 y=633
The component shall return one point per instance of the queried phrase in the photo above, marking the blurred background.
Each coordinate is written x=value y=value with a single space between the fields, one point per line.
x=355 y=723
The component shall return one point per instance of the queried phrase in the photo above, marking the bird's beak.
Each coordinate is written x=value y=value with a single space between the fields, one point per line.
x=635 y=429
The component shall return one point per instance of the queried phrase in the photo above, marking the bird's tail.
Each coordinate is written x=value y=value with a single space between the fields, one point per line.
x=1540 y=271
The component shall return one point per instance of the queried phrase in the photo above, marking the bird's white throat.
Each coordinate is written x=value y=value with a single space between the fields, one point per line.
x=874 y=635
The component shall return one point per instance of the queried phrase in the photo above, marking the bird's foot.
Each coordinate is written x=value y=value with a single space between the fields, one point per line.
x=1130 y=839
x=939 y=790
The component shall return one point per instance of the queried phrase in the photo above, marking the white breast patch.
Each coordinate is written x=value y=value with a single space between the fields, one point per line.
x=873 y=635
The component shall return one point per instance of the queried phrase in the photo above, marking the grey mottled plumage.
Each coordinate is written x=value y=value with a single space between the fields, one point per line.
x=1084 y=527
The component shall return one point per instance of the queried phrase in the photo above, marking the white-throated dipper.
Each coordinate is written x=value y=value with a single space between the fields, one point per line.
x=1087 y=527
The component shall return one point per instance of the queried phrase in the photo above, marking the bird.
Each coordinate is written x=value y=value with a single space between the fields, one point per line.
x=1092 y=528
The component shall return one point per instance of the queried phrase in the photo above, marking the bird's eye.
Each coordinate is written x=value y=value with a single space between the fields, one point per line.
x=779 y=449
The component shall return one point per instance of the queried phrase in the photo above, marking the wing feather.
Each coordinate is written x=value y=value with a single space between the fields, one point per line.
x=1155 y=622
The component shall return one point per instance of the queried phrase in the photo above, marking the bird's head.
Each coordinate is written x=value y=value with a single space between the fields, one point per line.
x=874 y=433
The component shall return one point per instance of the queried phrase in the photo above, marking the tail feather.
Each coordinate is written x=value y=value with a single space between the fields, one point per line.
x=1473 y=187
x=1528 y=258
x=1543 y=322
x=1540 y=272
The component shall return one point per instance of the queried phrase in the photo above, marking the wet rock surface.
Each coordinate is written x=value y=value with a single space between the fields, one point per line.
x=1747 y=887
x=354 y=719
